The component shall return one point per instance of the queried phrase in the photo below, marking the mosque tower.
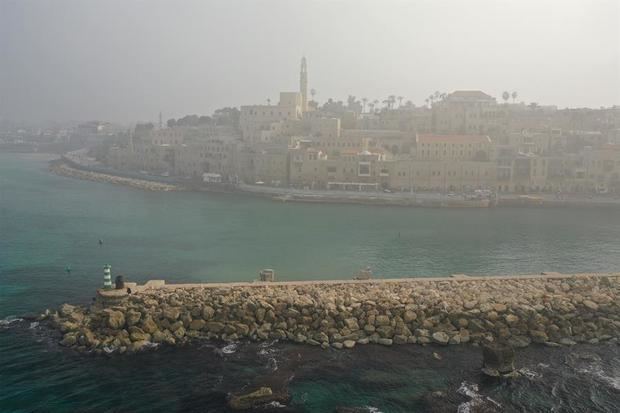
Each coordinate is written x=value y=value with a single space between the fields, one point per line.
x=303 y=85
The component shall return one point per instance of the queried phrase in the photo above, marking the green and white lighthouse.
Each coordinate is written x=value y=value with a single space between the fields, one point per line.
x=107 y=277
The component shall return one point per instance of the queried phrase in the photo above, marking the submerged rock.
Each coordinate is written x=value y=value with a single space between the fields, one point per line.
x=255 y=399
x=498 y=359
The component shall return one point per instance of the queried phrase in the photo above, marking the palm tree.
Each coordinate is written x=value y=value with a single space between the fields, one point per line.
x=432 y=99
x=426 y=100
x=364 y=100
x=312 y=93
x=514 y=96
x=386 y=102
x=371 y=107
x=400 y=101
x=437 y=95
x=506 y=96
x=268 y=102
x=391 y=100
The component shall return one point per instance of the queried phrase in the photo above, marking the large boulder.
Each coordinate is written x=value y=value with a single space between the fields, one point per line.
x=197 y=324
x=149 y=326
x=519 y=341
x=440 y=337
x=171 y=313
x=409 y=316
x=539 y=336
x=255 y=399
x=215 y=326
x=352 y=324
x=69 y=339
x=382 y=320
x=133 y=317
x=498 y=359
x=66 y=310
x=208 y=312
x=349 y=343
x=66 y=326
x=115 y=319
x=137 y=334
x=137 y=346
x=179 y=333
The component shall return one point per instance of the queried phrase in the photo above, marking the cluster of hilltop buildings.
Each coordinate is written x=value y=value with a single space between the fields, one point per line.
x=462 y=141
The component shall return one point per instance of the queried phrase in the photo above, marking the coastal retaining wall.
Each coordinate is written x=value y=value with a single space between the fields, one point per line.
x=553 y=310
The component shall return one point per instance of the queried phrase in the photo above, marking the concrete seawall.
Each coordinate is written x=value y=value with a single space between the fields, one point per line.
x=554 y=309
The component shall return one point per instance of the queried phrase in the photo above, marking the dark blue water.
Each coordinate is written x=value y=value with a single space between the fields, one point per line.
x=48 y=223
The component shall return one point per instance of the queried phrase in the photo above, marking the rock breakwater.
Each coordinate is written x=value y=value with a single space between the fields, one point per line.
x=556 y=311
x=62 y=169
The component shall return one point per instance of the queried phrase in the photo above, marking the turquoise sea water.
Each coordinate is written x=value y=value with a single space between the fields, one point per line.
x=48 y=223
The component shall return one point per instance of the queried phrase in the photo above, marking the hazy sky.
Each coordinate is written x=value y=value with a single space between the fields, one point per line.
x=126 y=60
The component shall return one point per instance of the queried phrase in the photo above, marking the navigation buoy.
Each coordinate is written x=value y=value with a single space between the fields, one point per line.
x=107 y=277
x=68 y=269
x=100 y=242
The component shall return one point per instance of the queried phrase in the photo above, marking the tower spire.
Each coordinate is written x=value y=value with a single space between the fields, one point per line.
x=303 y=84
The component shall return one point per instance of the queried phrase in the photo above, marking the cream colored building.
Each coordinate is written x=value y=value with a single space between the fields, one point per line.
x=257 y=121
x=470 y=112
x=442 y=176
x=154 y=159
x=263 y=163
x=212 y=155
x=430 y=147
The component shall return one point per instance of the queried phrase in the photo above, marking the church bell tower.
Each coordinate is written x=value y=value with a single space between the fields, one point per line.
x=303 y=85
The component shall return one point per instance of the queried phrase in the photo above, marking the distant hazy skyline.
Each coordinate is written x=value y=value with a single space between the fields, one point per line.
x=126 y=61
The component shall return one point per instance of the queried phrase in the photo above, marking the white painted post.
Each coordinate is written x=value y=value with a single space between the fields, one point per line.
x=107 y=277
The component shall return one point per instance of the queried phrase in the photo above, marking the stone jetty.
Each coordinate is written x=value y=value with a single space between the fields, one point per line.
x=62 y=169
x=553 y=310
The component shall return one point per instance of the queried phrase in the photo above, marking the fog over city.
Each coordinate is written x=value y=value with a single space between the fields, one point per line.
x=126 y=61
x=309 y=206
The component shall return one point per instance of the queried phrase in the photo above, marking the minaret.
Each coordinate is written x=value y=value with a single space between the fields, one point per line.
x=303 y=85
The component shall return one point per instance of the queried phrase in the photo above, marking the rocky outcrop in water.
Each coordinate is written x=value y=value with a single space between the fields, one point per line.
x=554 y=311
x=258 y=398
x=498 y=359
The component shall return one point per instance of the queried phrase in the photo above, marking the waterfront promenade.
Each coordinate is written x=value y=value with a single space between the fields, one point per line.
x=77 y=165
x=161 y=284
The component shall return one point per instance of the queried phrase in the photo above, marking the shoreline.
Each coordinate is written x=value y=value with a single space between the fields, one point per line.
x=554 y=310
x=64 y=167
